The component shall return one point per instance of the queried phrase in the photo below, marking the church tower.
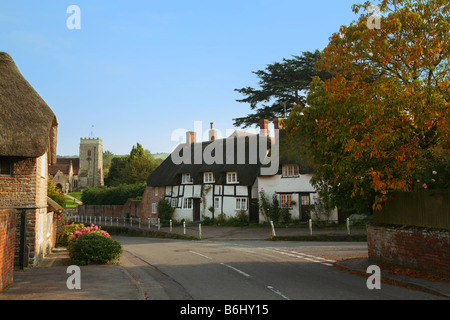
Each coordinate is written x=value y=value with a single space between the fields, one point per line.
x=91 y=163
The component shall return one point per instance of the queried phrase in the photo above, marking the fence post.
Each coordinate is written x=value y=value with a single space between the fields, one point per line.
x=273 y=229
x=139 y=223
x=348 y=225
x=148 y=222
x=184 y=227
x=310 y=227
x=159 y=224
x=200 y=230
x=170 y=225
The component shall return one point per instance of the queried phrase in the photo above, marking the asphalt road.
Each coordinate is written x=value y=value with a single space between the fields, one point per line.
x=250 y=270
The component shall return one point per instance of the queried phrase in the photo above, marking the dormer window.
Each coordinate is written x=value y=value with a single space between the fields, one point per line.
x=208 y=177
x=186 y=178
x=290 y=170
x=232 y=177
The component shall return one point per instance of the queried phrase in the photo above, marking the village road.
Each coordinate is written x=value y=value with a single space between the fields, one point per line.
x=170 y=269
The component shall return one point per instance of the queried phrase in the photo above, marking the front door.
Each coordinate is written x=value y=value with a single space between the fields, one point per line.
x=254 y=211
x=196 y=209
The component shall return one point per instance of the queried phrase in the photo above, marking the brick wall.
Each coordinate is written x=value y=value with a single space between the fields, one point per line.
x=133 y=208
x=411 y=247
x=152 y=195
x=7 y=227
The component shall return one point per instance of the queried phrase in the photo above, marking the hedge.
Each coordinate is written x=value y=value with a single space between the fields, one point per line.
x=112 y=195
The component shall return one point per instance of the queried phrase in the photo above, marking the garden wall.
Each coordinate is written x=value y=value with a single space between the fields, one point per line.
x=410 y=247
x=413 y=231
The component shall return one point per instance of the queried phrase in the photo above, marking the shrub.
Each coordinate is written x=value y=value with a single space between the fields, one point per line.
x=79 y=230
x=65 y=230
x=165 y=210
x=95 y=248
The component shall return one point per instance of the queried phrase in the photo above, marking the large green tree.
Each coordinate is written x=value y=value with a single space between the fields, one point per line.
x=380 y=123
x=131 y=169
x=282 y=85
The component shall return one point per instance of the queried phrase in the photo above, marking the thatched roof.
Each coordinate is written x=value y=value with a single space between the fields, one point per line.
x=28 y=127
x=169 y=173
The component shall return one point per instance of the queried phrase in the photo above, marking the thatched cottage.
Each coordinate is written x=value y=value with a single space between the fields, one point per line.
x=231 y=186
x=28 y=133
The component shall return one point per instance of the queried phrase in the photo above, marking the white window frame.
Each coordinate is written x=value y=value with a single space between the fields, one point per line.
x=208 y=177
x=154 y=209
x=186 y=178
x=174 y=202
x=156 y=191
x=187 y=203
x=290 y=170
x=305 y=198
x=241 y=204
x=285 y=200
x=216 y=203
x=232 y=177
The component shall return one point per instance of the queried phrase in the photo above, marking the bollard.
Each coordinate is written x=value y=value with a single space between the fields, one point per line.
x=273 y=229
x=200 y=230
x=348 y=225
x=310 y=227
x=184 y=227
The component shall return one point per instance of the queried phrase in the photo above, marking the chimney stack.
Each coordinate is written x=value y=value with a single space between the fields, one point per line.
x=212 y=133
x=190 y=137
x=278 y=123
x=264 y=127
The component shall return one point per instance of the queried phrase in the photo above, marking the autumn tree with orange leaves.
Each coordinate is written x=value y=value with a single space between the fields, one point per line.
x=380 y=124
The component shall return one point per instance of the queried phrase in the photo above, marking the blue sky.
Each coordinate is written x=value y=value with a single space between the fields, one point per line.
x=140 y=70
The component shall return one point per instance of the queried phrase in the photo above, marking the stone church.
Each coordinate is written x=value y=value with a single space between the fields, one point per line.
x=73 y=174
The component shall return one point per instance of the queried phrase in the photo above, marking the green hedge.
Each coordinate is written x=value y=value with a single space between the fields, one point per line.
x=112 y=195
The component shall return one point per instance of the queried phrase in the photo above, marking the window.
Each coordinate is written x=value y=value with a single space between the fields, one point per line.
x=187 y=203
x=6 y=166
x=290 y=170
x=232 y=177
x=186 y=178
x=156 y=191
x=216 y=203
x=49 y=223
x=44 y=165
x=286 y=200
x=208 y=177
x=305 y=200
x=241 y=203
x=153 y=207
x=174 y=202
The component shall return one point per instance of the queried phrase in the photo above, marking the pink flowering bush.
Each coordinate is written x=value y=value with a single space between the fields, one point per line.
x=91 y=245
x=80 y=230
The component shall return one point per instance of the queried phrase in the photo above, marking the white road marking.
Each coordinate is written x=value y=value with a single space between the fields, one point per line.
x=304 y=256
x=278 y=292
x=202 y=255
x=237 y=270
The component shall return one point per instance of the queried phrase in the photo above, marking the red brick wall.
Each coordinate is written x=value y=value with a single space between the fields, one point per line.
x=7 y=228
x=416 y=248
x=152 y=195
